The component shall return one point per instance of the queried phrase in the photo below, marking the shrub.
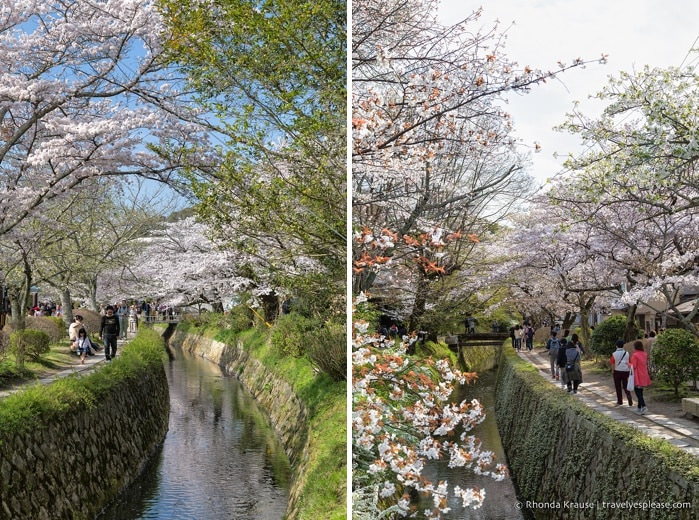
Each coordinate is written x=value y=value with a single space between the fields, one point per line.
x=28 y=342
x=327 y=349
x=240 y=318
x=605 y=335
x=293 y=332
x=52 y=326
x=676 y=357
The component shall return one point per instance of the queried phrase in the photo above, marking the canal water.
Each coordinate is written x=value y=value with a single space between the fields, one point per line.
x=220 y=459
x=500 y=498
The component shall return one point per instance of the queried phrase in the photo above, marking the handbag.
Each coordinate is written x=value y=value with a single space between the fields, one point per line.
x=630 y=383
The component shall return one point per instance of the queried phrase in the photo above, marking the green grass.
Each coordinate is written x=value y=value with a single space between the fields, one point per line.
x=36 y=404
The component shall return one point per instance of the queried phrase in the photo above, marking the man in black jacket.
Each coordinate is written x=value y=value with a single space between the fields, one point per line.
x=109 y=332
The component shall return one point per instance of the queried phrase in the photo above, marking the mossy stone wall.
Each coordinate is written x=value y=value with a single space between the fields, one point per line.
x=570 y=460
x=74 y=466
x=275 y=396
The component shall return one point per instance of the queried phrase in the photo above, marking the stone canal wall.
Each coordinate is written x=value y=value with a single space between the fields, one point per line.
x=568 y=461
x=76 y=461
x=286 y=411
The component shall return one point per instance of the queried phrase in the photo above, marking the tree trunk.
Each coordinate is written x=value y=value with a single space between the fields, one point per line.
x=270 y=306
x=420 y=303
x=67 y=306
x=585 y=307
x=92 y=295
x=631 y=331
x=568 y=321
x=19 y=298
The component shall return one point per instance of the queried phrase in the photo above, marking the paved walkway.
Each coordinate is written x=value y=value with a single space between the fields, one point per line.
x=683 y=433
x=91 y=364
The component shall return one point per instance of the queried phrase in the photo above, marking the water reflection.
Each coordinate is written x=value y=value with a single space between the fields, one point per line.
x=220 y=459
x=500 y=500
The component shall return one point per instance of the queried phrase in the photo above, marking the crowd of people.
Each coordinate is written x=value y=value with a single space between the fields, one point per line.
x=630 y=372
x=116 y=321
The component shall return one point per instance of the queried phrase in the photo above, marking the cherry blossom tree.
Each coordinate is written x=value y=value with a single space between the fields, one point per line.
x=636 y=184
x=432 y=145
x=83 y=95
x=400 y=420
x=644 y=146
x=181 y=264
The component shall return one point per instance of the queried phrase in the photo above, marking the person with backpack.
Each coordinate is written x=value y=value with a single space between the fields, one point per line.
x=561 y=361
x=576 y=341
x=572 y=367
x=552 y=345
x=528 y=336
x=620 y=372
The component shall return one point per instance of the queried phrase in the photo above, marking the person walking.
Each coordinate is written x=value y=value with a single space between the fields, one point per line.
x=572 y=367
x=528 y=336
x=641 y=379
x=620 y=372
x=109 y=332
x=553 y=344
x=122 y=312
x=133 y=318
x=82 y=344
x=576 y=341
x=561 y=362
x=519 y=332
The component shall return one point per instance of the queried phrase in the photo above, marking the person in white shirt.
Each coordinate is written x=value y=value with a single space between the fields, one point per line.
x=620 y=367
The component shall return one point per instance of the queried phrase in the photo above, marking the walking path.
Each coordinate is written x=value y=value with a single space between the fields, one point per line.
x=600 y=396
x=91 y=363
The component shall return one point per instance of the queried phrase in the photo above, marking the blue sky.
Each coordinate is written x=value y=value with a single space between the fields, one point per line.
x=632 y=33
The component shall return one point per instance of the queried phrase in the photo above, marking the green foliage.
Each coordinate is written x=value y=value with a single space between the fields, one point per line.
x=51 y=325
x=327 y=348
x=240 y=318
x=11 y=374
x=604 y=337
x=28 y=343
x=266 y=69
x=676 y=357
x=292 y=334
x=367 y=311
x=435 y=350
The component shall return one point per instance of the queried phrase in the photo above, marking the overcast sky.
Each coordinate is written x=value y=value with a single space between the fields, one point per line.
x=632 y=32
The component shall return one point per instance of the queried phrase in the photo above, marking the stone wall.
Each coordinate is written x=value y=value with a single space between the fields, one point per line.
x=77 y=463
x=286 y=411
x=568 y=461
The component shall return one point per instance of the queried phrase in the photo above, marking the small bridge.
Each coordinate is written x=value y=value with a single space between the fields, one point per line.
x=490 y=339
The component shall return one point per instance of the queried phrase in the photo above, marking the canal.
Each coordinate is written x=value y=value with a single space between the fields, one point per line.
x=220 y=459
x=500 y=498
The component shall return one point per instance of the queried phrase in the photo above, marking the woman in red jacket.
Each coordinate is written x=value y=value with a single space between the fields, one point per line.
x=641 y=379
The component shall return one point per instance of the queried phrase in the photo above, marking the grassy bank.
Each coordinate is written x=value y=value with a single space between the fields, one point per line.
x=324 y=483
x=37 y=404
